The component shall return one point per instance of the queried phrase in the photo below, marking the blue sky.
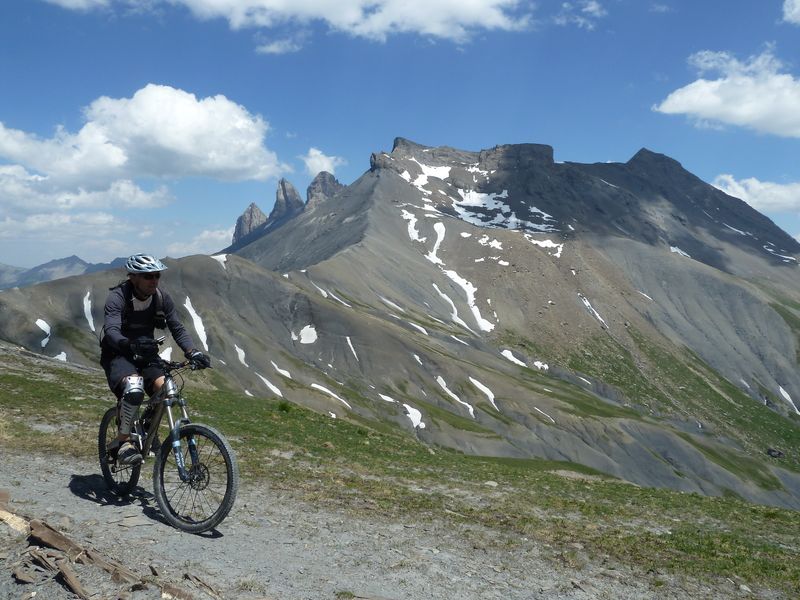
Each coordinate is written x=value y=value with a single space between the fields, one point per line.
x=149 y=126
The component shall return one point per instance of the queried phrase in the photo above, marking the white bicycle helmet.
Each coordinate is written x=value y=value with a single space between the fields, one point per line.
x=144 y=263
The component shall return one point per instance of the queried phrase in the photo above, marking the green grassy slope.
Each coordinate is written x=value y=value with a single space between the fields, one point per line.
x=576 y=515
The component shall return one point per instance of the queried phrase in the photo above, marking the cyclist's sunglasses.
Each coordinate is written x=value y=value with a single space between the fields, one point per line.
x=150 y=275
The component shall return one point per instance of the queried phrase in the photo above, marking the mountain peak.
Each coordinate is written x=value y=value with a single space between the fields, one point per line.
x=645 y=158
x=324 y=187
x=405 y=146
x=253 y=224
x=251 y=219
x=287 y=201
x=68 y=260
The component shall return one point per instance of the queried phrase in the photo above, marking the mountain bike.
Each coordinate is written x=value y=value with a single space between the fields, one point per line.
x=195 y=474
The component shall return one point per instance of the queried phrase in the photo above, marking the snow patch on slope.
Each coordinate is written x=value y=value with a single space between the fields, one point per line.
x=198 y=323
x=443 y=385
x=270 y=385
x=44 y=326
x=87 y=309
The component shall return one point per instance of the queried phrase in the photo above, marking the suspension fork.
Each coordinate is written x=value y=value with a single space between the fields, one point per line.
x=175 y=437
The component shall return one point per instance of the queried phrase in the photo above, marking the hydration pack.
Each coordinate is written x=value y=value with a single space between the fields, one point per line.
x=159 y=316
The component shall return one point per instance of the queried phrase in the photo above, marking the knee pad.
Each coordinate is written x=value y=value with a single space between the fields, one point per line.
x=132 y=398
x=133 y=390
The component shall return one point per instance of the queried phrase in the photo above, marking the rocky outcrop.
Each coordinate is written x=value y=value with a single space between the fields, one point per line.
x=324 y=187
x=250 y=220
x=288 y=203
x=253 y=224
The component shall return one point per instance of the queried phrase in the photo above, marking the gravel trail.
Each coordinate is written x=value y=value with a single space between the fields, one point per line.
x=274 y=546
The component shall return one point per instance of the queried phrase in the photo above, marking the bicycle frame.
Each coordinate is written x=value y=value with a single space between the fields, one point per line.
x=162 y=402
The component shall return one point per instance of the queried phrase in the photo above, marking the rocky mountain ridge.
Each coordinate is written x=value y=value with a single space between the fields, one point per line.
x=252 y=224
x=628 y=317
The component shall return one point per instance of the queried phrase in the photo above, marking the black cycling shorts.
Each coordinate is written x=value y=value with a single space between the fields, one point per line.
x=119 y=367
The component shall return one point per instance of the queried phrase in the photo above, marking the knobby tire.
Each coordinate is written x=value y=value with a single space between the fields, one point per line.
x=202 y=503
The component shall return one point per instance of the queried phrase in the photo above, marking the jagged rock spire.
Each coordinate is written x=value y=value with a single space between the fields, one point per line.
x=287 y=202
x=324 y=187
x=251 y=219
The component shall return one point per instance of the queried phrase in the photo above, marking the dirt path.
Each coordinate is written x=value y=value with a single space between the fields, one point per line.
x=274 y=546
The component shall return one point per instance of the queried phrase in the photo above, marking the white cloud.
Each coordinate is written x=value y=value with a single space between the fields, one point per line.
x=159 y=132
x=87 y=156
x=764 y=196
x=39 y=222
x=455 y=20
x=64 y=194
x=584 y=13
x=94 y=236
x=169 y=132
x=593 y=9
x=80 y=4
x=755 y=94
x=206 y=242
x=285 y=46
x=24 y=193
x=316 y=161
x=658 y=7
x=61 y=225
x=791 y=11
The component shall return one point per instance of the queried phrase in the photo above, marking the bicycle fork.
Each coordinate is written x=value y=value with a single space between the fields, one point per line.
x=175 y=438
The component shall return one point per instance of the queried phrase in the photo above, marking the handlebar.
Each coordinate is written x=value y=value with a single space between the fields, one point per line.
x=171 y=365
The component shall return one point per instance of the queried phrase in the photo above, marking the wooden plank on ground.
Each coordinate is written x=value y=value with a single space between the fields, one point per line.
x=43 y=560
x=45 y=535
x=71 y=579
x=117 y=571
x=16 y=523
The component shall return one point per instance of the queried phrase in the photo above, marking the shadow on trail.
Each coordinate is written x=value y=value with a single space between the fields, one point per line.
x=93 y=488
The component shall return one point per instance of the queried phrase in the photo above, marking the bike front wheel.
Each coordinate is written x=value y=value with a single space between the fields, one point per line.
x=120 y=479
x=205 y=495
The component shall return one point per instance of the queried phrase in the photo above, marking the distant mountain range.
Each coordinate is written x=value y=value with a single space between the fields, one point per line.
x=55 y=269
x=625 y=316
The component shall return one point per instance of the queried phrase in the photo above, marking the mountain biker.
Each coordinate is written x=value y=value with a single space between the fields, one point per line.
x=133 y=309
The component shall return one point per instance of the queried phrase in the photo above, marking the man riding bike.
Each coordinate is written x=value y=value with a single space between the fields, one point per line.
x=133 y=309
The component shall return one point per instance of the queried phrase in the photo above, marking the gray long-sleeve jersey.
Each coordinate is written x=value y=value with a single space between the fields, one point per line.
x=139 y=322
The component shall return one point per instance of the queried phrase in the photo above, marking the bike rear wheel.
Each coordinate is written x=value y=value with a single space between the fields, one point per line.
x=206 y=498
x=122 y=479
